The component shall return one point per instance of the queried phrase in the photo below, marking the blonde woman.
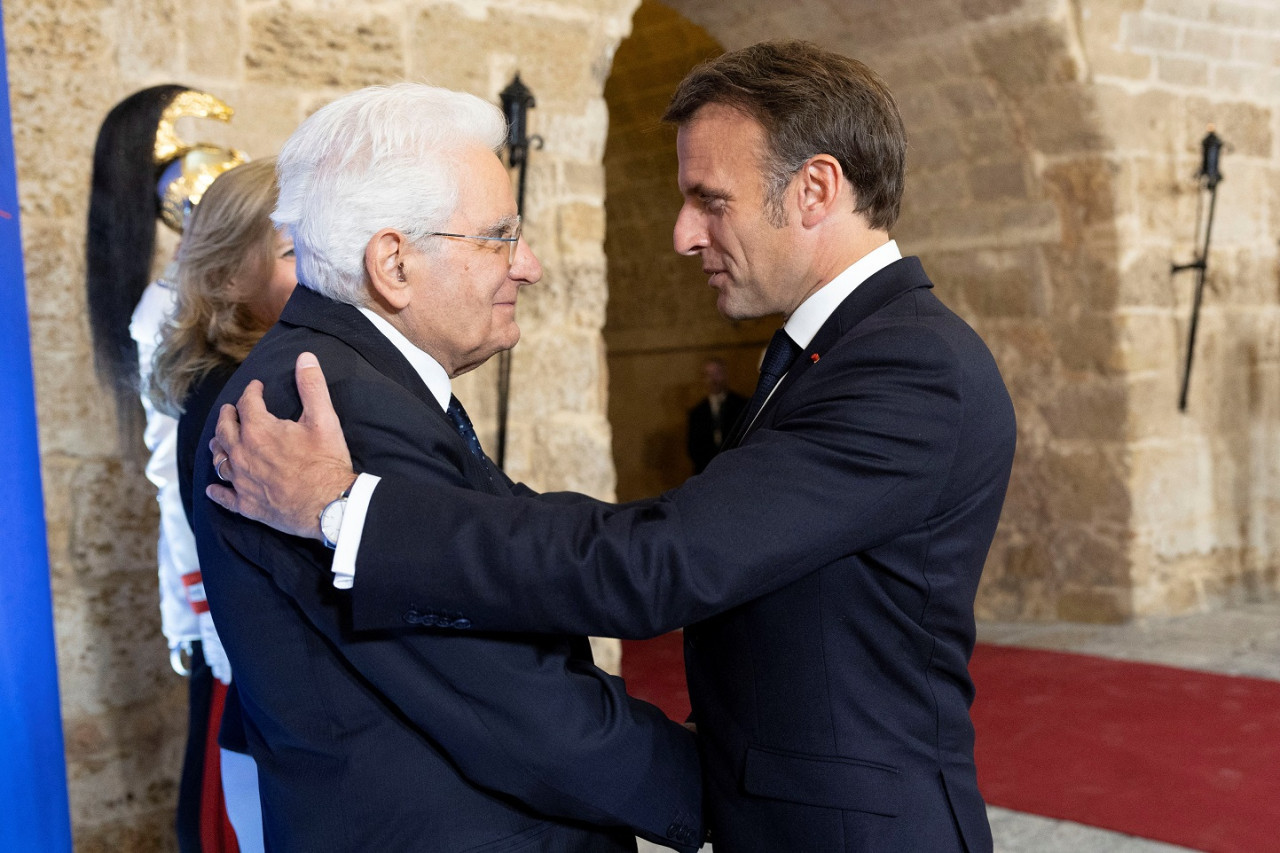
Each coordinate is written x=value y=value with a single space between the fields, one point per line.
x=235 y=273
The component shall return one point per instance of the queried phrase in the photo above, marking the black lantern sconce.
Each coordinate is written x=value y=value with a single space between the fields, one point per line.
x=517 y=100
x=1209 y=177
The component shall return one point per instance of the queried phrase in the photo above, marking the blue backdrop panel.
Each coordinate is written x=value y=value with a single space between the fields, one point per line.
x=33 y=775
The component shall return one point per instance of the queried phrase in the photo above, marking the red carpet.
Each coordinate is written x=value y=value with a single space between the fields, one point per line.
x=654 y=670
x=1189 y=758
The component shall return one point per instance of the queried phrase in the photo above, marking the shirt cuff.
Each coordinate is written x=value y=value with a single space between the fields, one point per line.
x=351 y=530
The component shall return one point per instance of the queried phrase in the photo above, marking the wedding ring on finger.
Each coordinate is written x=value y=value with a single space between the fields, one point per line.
x=217 y=468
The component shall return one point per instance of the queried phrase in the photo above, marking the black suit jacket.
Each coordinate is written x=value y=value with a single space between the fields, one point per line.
x=705 y=427
x=416 y=738
x=827 y=569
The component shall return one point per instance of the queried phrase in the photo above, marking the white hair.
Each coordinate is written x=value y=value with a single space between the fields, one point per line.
x=382 y=157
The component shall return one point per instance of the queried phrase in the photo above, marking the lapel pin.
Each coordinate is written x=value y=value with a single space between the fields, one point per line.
x=814 y=358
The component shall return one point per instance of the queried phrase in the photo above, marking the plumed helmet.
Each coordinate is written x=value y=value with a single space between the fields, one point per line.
x=141 y=171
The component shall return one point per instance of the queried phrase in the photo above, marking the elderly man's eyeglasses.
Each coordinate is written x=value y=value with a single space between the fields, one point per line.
x=512 y=241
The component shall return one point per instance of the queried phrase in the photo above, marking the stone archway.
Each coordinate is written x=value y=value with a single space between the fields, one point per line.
x=661 y=319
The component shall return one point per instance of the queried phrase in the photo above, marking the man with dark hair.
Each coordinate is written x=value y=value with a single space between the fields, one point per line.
x=826 y=563
x=807 y=100
x=713 y=416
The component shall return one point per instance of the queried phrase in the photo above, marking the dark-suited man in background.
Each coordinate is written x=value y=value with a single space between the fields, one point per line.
x=826 y=564
x=416 y=738
x=714 y=415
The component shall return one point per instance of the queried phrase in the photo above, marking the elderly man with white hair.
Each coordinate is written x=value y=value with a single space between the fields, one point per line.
x=430 y=737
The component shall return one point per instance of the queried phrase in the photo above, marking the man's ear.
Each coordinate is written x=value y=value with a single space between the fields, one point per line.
x=821 y=185
x=384 y=259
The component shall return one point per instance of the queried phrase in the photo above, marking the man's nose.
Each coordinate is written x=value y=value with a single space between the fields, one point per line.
x=525 y=268
x=690 y=234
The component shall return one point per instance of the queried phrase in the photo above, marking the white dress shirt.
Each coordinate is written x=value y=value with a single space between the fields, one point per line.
x=806 y=320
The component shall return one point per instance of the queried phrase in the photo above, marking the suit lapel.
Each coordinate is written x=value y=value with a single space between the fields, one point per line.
x=310 y=310
x=866 y=299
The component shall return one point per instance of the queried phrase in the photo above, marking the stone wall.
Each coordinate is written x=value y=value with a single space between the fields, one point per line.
x=69 y=62
x=1204 y=485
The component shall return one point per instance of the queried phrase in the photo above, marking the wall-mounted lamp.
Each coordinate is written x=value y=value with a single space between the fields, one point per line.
x=1209 y=176
x=517 y=100
x=516 y=103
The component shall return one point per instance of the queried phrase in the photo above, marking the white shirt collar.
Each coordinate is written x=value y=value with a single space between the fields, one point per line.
x=432 y=374
x=806 y=320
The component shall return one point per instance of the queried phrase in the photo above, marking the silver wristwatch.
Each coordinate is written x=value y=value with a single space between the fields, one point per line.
x=331 y=518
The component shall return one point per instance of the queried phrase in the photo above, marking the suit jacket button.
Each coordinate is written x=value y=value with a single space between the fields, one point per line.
x=462 y=623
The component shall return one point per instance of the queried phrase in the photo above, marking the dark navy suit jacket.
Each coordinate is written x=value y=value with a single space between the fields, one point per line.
x=826 y=567
x=418 y=739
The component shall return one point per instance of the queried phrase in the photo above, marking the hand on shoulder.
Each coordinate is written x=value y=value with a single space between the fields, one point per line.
x=281 y=472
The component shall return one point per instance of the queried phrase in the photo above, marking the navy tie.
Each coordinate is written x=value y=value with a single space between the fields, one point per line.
x=458 y=415
x=777 y=360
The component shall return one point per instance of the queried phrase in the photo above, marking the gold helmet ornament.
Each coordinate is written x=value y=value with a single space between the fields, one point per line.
x=188 y=170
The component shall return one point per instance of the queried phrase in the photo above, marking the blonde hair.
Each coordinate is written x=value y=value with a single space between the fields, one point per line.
x=230 y=234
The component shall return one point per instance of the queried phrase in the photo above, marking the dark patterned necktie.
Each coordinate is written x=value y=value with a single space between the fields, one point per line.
x=458 y=415
x=777 y=359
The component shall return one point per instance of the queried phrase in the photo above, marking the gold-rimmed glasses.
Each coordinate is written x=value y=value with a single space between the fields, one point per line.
x=512 y=242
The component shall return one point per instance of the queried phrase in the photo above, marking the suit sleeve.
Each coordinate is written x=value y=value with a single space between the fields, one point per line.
x=521 y=715
x=849 y=458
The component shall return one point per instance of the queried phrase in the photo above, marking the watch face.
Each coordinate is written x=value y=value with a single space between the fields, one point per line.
x=331 y=521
